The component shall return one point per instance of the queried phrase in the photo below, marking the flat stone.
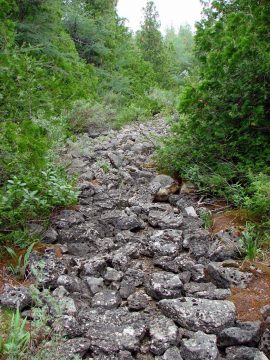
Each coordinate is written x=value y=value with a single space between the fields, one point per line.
x=225 y=246
x=14 y=298
x=211 y=316
x=225 y=277
x=244 y=353
x=246 y=333
x=163 y=285
x=114 y=330
x=165 y=220
x=163 y=333
x=200 y=346
x=107 y=299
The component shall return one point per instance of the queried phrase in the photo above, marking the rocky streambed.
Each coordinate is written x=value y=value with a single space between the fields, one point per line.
x=139 y=277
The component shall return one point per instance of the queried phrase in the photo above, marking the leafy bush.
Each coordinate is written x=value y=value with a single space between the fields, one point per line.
x=86 y=116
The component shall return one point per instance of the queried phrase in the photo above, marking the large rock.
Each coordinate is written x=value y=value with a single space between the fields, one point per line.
x=163 y=333
x=246 y=333
x=163 y=285
x=14 y=298
x=107 y=299
x=225 y=277
x=70 y=348
x=210 y=316
x=162 y=186
x=165 y=220
x=68 y=218
x=47 y=268
x=113 y=330
x=200 y=347
x=244 y=353
x=165 y=242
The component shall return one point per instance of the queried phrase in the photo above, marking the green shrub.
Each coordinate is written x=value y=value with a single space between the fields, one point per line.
x=86 y=116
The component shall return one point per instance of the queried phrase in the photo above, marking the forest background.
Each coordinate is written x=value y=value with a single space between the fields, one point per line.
x=69 y=66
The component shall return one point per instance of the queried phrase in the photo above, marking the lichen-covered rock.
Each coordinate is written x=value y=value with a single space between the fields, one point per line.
x=225 y=277
x=70 y=348
x=165 y=220
x=200 y=346
x=246 y=333
x=172 y=353
x=138 y=301
x=165 y=242
x=107 y=299
x=95 y=284
x=14 y=298
x=163 y=285
x=113 y=330
x=210 y=316
x=163 y=333
x=244 y=353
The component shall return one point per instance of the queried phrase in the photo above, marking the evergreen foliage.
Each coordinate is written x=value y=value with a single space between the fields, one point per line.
x=65 y=67
x=221 y=141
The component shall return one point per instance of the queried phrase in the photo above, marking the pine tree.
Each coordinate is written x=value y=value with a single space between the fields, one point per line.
x=150 y=41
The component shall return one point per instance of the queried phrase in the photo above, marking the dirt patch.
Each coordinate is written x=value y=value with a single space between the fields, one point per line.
x=249 y=301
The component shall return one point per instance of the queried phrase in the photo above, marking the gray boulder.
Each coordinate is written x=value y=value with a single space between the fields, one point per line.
x=210 y=316
x=163 y=333
x=107 y=299
x=246 y=333
x=200 y=346
x=14 y=298
x=70 y=348
x=225 y=277
x=163 y=285
x=244 y=353
x=165 y=220
x=113 y=330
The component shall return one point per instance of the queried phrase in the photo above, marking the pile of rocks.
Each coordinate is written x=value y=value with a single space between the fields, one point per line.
x=139 y=277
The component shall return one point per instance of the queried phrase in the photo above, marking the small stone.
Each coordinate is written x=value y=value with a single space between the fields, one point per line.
x=95 y=284
x=113 y=275
x=50 y=236
x=191 y=211
x=200 y=346
x=107 y=299
x=265 y=342
x=163 y=333
x=172 y=353
x=163 y=285
x=138 y=301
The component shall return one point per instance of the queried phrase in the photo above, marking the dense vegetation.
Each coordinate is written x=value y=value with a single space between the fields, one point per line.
x=221 y=141
x=67 y=66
